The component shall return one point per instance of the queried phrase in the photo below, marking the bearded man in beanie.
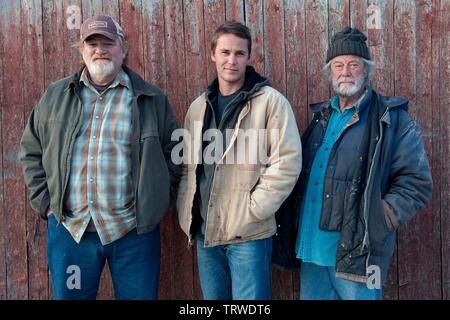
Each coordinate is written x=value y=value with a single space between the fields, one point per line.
x=365 y=172
x=96 y=159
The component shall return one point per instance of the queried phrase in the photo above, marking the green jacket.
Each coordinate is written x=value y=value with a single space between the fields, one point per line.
x=49 y=136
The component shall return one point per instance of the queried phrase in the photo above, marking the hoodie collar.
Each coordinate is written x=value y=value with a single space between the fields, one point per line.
x=253 y=83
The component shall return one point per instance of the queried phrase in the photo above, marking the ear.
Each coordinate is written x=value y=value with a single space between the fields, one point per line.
x=213 y=58
x=125 y=48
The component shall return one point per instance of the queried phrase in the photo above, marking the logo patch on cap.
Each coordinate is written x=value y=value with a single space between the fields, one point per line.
x=98 y=24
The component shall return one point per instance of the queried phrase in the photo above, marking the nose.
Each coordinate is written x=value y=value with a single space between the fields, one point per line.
x=232 y=59
x=100 y=50
x=346 y=71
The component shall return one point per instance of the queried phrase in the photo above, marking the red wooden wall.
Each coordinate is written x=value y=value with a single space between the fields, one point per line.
x=169 y=39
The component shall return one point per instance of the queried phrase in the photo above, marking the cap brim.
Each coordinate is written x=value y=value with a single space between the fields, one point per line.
x=109 y=35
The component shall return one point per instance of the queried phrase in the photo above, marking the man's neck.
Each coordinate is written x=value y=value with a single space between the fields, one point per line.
x=345 y=102
x=227 y=88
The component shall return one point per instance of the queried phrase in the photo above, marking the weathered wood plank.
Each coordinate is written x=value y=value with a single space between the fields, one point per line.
x=131 y=22
x=91 y=8
x=358 y=14
x=33 y=87
x=112 y=8
x=154 y=42
x=71 y=23
x=274 y=68
x=195 y=76
x=415 y=254
x=317 y=44
x=296 y=64
x=194 y=43
x=12 y=127
x=234 y=10
x=254 y=17
x=175 y=58
x=3 y=87
x=338 y=15
x=296 y=90
x=214 y=12
x=53 y=24
x=443 y=82
x=153 y=29
x=274 y=50
x=424 y=265
x=182 y=278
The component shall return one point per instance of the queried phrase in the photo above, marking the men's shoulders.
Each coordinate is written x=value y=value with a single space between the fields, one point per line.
x=199 y=101
x=141 y=86
x=63 y=83
x=393 y=101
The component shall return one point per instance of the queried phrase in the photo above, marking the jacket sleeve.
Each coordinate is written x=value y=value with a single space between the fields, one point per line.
x=31 y=159
x=170 y=125
x=410 y=183
x=284 y=159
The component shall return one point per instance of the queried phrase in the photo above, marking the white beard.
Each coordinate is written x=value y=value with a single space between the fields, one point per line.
x=101 y=69
x=348 y=90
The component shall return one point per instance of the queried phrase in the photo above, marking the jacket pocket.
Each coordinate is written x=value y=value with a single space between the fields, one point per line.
x=154 y=181
x=247 y=176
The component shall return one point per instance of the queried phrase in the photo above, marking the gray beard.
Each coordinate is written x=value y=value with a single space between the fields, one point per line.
x=348 y=91
x=101 y=70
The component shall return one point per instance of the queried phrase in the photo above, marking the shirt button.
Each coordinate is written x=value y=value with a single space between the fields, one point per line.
x=95 y=137
x=327 y=196
x=91 y=201
x=97 y=117
x=92 y=158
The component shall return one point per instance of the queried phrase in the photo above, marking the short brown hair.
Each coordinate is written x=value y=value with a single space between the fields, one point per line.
x=235 y=28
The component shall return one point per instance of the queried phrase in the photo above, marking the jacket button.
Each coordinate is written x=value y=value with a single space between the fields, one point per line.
x=279 y=226
x=327 y=196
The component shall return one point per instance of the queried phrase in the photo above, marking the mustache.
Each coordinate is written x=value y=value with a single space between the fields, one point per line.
x=346 y=79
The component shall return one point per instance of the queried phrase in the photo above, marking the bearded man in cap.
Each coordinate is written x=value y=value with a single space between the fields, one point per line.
x=365 y=172
x=96 y=160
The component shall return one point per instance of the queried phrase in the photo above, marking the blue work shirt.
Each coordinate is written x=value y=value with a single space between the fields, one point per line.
x=313 y=244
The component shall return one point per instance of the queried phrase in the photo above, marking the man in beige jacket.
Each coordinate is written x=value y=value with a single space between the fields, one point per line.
x=241 y=159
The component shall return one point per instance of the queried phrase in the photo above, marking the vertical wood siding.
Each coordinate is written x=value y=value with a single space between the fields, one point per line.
x=169 y=46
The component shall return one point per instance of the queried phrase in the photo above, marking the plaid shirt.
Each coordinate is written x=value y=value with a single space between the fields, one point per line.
x=100 y=181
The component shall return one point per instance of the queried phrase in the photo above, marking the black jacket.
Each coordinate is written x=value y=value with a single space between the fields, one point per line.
x=390 y=183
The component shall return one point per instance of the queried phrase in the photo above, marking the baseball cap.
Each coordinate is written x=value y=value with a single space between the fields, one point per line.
x=104 y=25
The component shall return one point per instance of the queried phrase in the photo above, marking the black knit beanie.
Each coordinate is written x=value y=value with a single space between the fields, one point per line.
x=348 y=41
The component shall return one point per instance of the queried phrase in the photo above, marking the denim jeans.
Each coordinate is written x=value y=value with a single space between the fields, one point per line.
x=320 y=283
x=75 y=269
x=238 y=271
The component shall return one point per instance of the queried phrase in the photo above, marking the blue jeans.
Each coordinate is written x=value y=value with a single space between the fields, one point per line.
x=320 y=283
x=75 y=269
x=238 y=271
